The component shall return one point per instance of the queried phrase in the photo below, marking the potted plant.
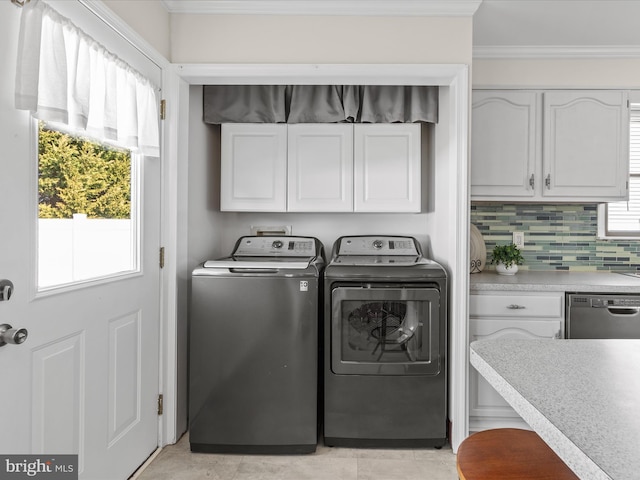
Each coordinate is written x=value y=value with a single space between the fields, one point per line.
x=507 y=258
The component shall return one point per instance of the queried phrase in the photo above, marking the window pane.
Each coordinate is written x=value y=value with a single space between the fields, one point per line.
x=634 y=143
x=625 y=216
x=86 y=220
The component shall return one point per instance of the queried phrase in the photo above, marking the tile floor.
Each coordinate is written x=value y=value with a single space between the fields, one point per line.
x=177 y=462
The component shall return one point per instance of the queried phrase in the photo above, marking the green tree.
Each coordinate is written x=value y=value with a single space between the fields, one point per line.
x=77 y=175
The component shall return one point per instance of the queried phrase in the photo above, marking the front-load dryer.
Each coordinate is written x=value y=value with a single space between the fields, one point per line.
x=385 y=345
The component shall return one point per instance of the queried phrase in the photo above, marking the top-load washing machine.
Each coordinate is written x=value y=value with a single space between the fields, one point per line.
x=385 y=345
x=254 y=348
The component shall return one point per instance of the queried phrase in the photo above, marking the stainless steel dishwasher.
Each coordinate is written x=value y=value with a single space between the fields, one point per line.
x=596 y=315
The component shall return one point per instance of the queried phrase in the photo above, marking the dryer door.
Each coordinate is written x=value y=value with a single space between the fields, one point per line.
x=386 y=330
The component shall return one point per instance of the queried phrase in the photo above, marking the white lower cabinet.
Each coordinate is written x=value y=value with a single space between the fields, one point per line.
x=527 y=315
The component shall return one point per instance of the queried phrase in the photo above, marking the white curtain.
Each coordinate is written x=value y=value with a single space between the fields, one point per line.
x=65 y=76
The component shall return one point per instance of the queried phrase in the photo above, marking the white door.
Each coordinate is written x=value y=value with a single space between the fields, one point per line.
x=86 y=379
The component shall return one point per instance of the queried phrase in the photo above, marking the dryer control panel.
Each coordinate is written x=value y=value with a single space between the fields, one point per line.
x=378 y=245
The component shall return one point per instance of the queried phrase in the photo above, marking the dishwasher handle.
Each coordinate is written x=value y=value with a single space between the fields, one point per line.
x=623 y=310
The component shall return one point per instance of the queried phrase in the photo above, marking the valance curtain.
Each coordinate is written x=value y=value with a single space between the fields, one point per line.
x=319 y=104
x=65 y=76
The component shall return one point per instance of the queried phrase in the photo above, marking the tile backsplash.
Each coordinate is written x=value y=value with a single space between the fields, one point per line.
x=557 y=237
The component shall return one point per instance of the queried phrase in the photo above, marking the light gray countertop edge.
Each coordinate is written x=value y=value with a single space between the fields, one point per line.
x=578 y=461
x=550 y=281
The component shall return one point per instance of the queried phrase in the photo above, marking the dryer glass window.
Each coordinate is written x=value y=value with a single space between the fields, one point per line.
x=385 y=330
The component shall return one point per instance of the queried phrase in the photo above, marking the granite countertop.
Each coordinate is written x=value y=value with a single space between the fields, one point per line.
x=555 y=281
x=580 y=396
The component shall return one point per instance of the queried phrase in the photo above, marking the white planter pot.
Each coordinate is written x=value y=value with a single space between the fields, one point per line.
x=502 y=270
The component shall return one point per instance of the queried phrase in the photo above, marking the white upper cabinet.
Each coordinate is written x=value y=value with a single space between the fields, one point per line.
x=549 y=146
x=387 y=168
x=320 y=168
x=504 y=143
x=253 y=171
x=586 y=147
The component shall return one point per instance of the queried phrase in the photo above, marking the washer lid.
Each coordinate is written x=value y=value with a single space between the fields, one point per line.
x=258 y=264
x=270 y=252
x=275 y=247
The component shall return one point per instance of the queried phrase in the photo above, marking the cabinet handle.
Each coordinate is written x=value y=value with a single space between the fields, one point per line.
x=513 y=306
x=547 y=181
x=532 y=181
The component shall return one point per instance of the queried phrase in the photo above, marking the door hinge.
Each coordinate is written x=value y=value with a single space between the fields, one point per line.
x=161 y=257
x=163 y=109
x=160 y=404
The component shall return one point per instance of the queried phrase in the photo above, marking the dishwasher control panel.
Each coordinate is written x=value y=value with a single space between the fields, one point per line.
x=603 y=301
x=615 y=302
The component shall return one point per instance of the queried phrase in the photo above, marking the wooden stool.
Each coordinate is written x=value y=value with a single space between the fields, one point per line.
x=509 y=454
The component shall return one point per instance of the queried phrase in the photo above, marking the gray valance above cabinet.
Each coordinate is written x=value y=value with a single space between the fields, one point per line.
x=320 y=104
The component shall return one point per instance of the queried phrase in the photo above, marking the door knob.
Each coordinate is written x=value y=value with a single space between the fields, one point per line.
x=15 y=336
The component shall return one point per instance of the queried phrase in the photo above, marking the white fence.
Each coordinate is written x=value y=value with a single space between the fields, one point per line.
x=82 y=249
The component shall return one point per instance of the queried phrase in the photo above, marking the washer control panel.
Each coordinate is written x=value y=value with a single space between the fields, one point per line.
x=275 y=247
x=378 y=245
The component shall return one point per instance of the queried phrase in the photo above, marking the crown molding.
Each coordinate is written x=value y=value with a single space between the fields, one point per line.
x=555 y=51
x=454 y=8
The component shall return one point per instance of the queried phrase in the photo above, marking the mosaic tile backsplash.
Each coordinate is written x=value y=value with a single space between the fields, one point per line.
x=556 y=237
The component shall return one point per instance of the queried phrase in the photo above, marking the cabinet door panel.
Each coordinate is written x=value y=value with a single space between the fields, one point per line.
x=586 y=144
x=504 y=134
x=320 y=168
x=483 y=399
x=253 y=167
x=387 y=168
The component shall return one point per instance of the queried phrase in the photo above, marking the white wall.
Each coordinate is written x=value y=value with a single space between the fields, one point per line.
x=557 y=73
x=319 y=39
x=148 y=18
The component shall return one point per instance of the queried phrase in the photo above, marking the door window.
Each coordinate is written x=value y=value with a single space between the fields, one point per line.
x=87 y=208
